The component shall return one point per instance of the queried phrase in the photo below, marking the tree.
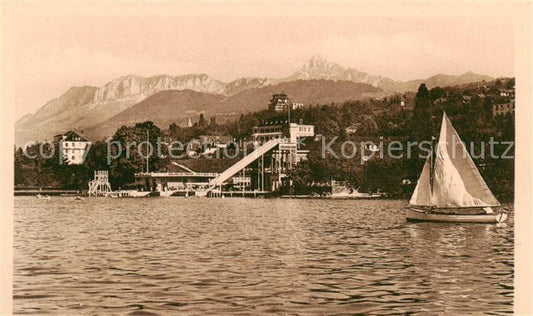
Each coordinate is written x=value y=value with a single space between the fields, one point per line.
x=173 y=130
x=421 y=122
x=385 y=174
x=436 y=93
x=510 y=84
x=201 y=121
x=133 y=158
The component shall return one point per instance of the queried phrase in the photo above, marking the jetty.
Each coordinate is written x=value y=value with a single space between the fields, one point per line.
x=50 y=192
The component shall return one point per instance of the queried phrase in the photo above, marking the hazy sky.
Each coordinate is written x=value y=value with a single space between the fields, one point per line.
x=57 y=50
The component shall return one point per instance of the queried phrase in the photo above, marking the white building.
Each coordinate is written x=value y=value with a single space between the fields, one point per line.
x=296 y=106
x=297 y=131
x=281 y=103
x=73 y=147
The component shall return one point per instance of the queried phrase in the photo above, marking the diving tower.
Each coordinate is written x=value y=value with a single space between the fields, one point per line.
x=100 y=185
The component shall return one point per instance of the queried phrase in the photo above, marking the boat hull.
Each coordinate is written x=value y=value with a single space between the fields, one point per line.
x=355 y=196
x=421 y=215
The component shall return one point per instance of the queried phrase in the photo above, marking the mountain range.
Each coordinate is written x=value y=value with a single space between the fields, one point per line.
x=164 y=98
x=176 y=106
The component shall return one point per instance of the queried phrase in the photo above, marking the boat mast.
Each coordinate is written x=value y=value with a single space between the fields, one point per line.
x=147 y=146
x=433 y=152
x=431 y=165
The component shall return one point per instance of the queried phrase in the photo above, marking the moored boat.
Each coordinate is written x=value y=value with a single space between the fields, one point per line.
x=450 y=187
x=43 y=197
x=129 y=194
x=341 y=191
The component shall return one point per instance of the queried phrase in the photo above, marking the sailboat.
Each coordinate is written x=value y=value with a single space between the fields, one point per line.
x=450 y=187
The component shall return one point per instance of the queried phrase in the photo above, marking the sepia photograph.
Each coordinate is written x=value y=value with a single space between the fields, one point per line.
x=251 y=158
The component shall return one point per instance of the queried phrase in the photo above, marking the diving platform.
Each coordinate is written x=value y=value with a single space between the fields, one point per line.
x=100 y=185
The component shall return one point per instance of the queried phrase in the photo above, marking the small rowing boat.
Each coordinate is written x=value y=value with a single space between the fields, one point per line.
x=43 y=197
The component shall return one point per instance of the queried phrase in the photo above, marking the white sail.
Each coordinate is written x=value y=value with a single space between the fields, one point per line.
x=422 y=194
x=456 y=179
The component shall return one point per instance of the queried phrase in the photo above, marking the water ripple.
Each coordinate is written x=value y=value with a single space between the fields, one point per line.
x=243 y=256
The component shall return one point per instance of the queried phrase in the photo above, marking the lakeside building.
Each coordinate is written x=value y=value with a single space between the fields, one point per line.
x=280 y=102
x=298 y=131
x=294 y=132
x=73 y=147
x=278 y=146
x=502 y=109
x=277 y=149
x=277 y=129
x=173 y=181
x=267 y=132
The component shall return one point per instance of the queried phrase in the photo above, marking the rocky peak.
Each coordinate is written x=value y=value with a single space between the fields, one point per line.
x=318 y=67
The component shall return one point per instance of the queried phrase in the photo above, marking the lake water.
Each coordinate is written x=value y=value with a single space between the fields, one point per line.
x=166 y=256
